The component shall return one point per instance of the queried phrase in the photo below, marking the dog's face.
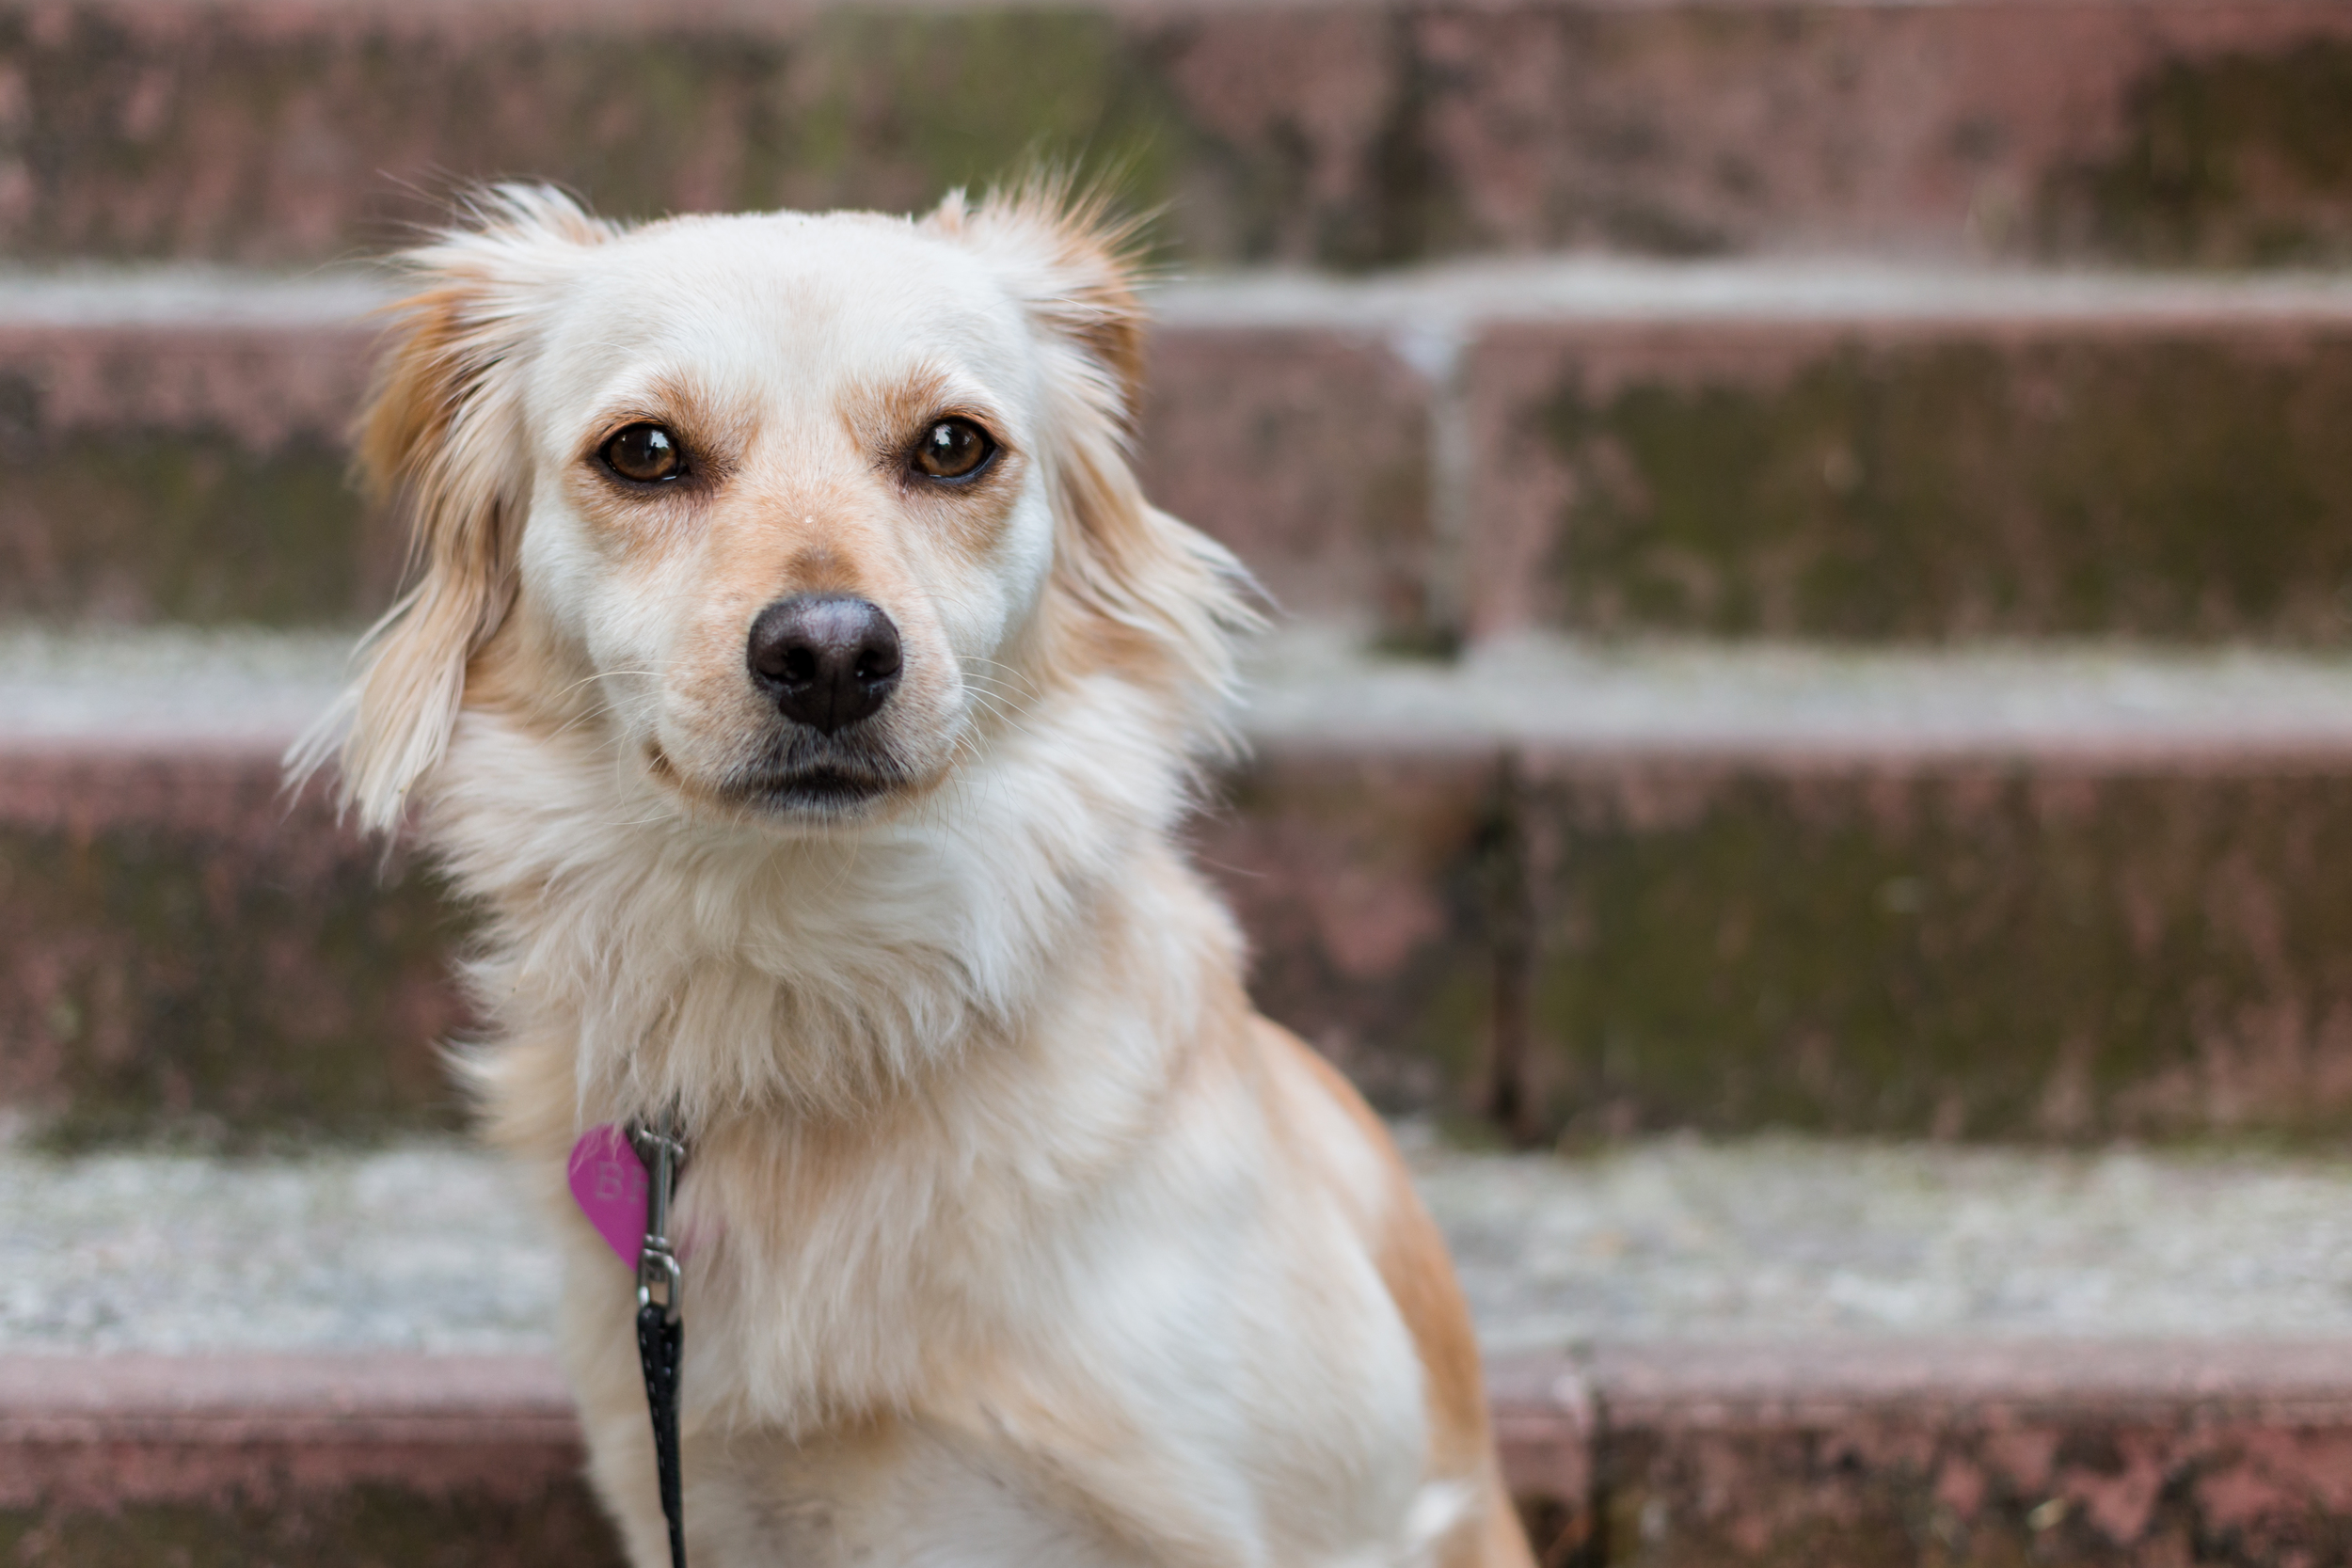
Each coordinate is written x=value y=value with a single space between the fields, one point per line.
x=786 y=499
x=783 y=507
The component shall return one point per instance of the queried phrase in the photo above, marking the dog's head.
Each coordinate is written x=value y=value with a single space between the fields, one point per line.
x=786 y=509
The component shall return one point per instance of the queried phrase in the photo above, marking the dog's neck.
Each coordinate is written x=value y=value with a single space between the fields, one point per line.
x=716 y=968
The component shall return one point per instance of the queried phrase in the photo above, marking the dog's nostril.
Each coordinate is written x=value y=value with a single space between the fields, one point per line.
x=825 y=659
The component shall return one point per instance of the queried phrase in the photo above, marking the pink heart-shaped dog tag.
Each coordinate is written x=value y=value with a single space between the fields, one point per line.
x=609 y=1183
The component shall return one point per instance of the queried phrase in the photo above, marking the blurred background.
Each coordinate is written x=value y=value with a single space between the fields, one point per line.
x=1809 y=762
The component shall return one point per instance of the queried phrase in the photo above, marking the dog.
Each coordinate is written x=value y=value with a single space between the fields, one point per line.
x=798 y=680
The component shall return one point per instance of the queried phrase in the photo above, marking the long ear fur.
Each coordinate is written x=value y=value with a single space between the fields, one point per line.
x=1118 y=559
x=441 y=432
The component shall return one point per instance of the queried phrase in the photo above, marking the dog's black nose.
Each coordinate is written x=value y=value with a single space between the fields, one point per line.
x=827 y=659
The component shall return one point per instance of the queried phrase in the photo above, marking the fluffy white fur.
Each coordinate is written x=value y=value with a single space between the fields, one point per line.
x=1017 y=1238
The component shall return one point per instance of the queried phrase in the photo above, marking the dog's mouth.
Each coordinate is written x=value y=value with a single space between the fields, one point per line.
x=814 y=791
x=806 y=774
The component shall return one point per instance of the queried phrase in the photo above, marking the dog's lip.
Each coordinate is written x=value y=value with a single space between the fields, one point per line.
x=822 y=787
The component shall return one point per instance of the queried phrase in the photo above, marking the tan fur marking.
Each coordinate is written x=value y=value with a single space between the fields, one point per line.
x=881 y=417
x=1413 y=1263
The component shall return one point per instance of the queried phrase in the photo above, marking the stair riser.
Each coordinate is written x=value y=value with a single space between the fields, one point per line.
x=1895 y=1491
x=2049 y=951
x=1877 y=1493
x=188 y=474
x=1900 y=482
x=186 y=952
x=362 y=1460
x=339 y=1496
x=1873 y=1454
x=2058 y=951
x=363 y=1526
x=1865 y=481
x=2010 y=949
x=198 y=475
x=1333 y=135
x=2038 y=1462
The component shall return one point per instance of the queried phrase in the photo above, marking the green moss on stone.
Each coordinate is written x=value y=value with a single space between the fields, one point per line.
x=964 y=98
x=1990 y=956
x=190 y=526
x=314 y=144
x=2229 y=159
x=193 y=987
x=2176 y=487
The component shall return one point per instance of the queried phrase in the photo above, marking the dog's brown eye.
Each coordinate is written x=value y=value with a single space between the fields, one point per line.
x=646 y=453
x=953 y=449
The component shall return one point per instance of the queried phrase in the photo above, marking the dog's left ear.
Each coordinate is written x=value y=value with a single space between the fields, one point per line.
x=443 y=433
x=1130 y=568
x=1075 y=265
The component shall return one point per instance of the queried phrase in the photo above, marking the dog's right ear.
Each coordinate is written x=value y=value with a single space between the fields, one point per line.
x=444 y=436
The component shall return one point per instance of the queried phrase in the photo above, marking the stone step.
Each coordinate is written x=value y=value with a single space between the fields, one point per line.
x=1731 y=1354
x=300 y=1462
x=1992 y=893
x=1839 y=451
x=1637 y=1457
x=1322 y=132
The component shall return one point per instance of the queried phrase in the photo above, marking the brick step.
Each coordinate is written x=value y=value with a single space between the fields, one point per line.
x=1650 y=1456
x=1833 y=451
x=2024 y=893
x=1735 y=1353
x=1330 y=133
x=299 y=1462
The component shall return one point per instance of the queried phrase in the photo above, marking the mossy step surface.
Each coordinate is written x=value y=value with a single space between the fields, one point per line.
x=2023 y=894
x=1859 y=452
x=1328 y=133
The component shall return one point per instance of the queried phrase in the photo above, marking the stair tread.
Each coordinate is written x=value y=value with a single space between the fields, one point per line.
x=1316 y=684
x=432 y=1247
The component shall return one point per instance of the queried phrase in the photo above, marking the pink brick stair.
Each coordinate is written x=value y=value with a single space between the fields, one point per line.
x=2202 y=130
x=1864 y=1453
x=298 y=1459
x=1810 y=330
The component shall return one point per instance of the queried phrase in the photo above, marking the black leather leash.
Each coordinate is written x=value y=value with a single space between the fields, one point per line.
x=661 y=1331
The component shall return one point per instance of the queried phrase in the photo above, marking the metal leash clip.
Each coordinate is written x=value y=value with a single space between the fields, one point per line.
x=659 y=1277
x=661 y=1333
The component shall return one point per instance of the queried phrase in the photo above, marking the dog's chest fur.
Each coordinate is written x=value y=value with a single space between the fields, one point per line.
x=972 y=1210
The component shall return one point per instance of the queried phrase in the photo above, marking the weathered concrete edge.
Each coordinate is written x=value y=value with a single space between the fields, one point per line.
x=132 y=1429
x=1764 y=1384
x=102 y=1432
x=341 y=305
x=1311 y=687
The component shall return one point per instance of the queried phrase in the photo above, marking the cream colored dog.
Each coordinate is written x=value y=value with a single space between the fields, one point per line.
x=798 y=681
